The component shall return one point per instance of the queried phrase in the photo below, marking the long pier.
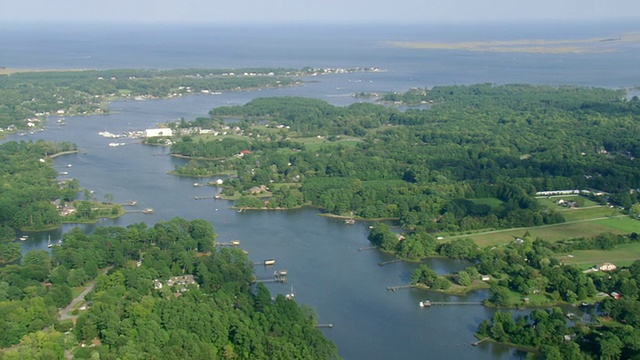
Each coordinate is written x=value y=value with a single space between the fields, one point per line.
x=427 y=303
x=476 y=343
x=389 y=262
x=204 y=197
x=278 y=276
x=398 y=287
x=367 y=248
x=230 y=243
x=325 y=326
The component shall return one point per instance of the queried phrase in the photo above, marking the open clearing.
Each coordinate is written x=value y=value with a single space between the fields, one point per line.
x=621 y=224
x=621 y=255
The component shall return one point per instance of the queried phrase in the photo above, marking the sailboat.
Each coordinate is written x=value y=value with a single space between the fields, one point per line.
x=49 y=242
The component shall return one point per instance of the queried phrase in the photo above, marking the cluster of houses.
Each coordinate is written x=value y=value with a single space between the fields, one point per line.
x=567 y=203
x=65 y=209
x=179 y=283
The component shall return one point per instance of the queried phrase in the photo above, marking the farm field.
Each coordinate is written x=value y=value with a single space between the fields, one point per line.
x=621 y=255
x=556 y=232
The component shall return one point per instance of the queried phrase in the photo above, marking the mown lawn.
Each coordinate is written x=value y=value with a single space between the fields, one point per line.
x=621 y=255
x=589 y=213
x=555 y=232
x=492 y=202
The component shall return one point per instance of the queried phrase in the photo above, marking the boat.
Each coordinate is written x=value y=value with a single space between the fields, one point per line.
x=24 y=237
x=64 y=173
x=349 y=221
x=268 y=262
x=425 y=303
x=68 y=165
x=114 y=144
x=49 y=244
x=147 y=211
x=290 y=295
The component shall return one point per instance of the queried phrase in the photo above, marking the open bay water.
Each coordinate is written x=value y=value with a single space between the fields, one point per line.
x=345 y=286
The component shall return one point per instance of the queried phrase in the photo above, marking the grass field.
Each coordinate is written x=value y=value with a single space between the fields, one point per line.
x=493 y=202
x=625 y=224
x=621 y=255
x=589 y=213
x=617 y=225
x=314 y=143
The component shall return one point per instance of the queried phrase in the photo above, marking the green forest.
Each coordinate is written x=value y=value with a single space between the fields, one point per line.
x=27 y=97
x=220 y=314
x=472 y=160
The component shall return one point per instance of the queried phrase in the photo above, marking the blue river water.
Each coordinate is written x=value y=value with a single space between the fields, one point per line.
x=346 y=287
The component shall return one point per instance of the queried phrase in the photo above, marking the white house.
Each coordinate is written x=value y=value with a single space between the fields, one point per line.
x=607 y=267
x=158 y=132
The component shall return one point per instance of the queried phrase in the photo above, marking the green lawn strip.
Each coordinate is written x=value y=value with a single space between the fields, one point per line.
x=554 y=232
x=625 y=224
x=621 y=255
x=589 y=213
x=492 y=202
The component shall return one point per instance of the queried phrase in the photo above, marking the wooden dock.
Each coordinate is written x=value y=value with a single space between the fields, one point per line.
x=329 y=326
x=145 y=211
x=389 y=262
x=398 y=287
x=230 y=243
x=476 y=343
x=278 y=276
x=427 y=303
x=367 y=248
x=266 y=262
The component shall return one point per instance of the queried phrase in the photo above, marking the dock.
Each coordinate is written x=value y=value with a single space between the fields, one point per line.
x=428 y=303
x=367 y=248
x=476 y=343
x=204 y=197
x=145 y=211
x=329 y=326
x=266 y=262
x=389 y=262
x=278 y=276
x=398 y=287
x=230 y=243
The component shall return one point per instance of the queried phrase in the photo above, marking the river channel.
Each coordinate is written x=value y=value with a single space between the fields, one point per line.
x=347 y=287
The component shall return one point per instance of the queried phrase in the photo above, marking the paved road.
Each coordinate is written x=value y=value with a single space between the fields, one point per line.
x=63 y=314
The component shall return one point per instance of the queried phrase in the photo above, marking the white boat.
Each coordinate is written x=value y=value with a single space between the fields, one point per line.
x=24 y=237
x=49 y=244
x=64 y=173
x=290 y=295
x=114 y=144
x=68 y=165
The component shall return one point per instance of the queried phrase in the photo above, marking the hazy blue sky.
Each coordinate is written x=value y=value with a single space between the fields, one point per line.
x=288 y=11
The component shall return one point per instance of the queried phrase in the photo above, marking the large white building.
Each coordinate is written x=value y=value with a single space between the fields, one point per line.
x=158 y=132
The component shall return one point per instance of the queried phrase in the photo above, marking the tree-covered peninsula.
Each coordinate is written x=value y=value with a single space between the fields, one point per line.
x=29 y=96
x=165 y=292
x=474 y=160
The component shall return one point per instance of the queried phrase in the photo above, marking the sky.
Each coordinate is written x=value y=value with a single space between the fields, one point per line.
x=317 y=11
